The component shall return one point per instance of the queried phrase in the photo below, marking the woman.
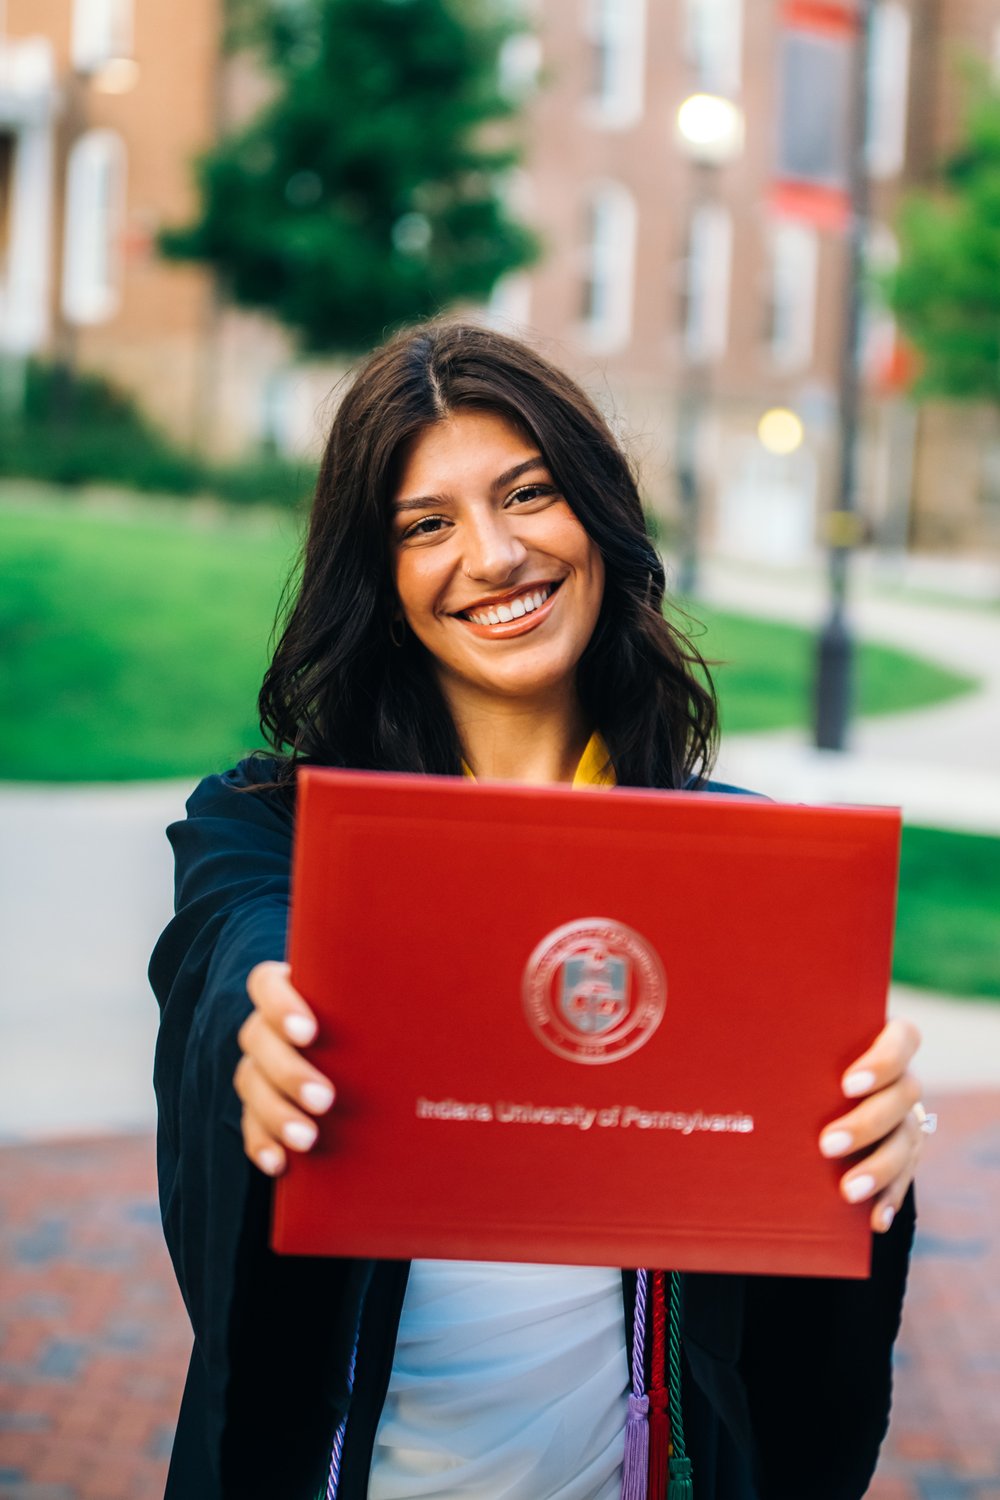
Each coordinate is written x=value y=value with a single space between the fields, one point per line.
x=479 y=596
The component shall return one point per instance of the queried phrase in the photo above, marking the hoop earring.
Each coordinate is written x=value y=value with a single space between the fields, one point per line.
x=397 y=631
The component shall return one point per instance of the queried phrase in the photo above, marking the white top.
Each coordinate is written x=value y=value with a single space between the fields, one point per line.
x=509 y=1382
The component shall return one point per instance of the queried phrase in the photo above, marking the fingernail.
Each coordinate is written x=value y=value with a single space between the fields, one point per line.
x=316 y=1096
x=299 y=1134
x=269 y=1161
x=859 y=1083
x=299 y=1028
x=859 y=1187
x=836 y=1142
x=888 y=1214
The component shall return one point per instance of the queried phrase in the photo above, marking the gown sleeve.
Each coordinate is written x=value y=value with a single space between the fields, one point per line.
x=817 y=1368
x=267 y=1384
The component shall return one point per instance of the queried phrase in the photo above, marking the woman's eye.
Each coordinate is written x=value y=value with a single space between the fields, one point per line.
x=531 y=492
x=428 y=526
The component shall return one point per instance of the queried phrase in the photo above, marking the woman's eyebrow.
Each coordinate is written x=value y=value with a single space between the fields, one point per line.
x=419 y=502
x=509 y=475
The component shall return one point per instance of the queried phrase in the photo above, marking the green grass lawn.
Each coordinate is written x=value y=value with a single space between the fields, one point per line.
x=948 y=924
x=133 y=645
x=766 y=670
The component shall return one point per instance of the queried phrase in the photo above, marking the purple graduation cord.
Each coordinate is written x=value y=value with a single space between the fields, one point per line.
x=635 y=1465
x=337 y=1451
x=639 y=1336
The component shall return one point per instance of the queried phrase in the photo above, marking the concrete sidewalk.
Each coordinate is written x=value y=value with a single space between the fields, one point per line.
x=940 y=764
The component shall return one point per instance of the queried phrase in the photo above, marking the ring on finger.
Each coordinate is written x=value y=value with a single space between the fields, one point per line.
x=928 y=1122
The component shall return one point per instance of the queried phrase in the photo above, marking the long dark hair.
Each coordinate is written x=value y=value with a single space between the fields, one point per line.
x=338 y=691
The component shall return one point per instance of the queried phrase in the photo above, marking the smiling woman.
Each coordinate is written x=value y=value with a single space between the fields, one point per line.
x=463 y=472
x=479 y=596
x=501 y=584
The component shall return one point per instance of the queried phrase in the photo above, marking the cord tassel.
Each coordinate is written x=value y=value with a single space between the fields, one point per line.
x=635 y=1470
x=681 y=1486
x=659 y=1444
x=635 y=1467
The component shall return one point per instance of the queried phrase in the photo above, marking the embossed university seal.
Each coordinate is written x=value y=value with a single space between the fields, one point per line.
x=594 y=990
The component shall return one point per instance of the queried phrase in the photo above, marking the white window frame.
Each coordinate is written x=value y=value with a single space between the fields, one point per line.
x=713 y=44
x=519 y=66
x=794 y=281
x=102 y=31
x=879 y=330
x=616 y=30
x=707 y=280
x=888 y=88
x=95 y=219
x=609 y=263
x=28 y=102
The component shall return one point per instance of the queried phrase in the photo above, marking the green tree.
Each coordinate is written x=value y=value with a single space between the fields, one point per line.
x=369 y=191
x=945 y=290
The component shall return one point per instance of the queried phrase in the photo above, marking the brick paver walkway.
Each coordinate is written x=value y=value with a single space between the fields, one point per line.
x=93 y=1338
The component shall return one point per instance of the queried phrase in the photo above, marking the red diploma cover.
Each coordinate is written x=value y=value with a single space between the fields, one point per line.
x=599 y=1027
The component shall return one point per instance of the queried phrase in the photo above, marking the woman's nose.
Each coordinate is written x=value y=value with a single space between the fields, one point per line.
x=493 y=550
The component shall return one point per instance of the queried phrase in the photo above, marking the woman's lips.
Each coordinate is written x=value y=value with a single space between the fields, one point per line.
x=507 y=628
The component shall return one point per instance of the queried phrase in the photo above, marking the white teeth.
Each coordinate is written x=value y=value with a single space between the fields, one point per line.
x=502 y=614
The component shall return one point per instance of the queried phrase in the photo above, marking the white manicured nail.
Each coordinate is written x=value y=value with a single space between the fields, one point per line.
x=859 y=1083
x=269 y=1161
x=300 y=1029
x=317 y=1096
x=299 y=1134
x=887 y=1215
x=859 y=1187
x=836 y=1143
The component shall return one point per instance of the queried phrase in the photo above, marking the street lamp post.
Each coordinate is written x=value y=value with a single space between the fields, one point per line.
x=835 y=655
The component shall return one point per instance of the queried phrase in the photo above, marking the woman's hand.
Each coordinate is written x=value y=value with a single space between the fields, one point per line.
x=882 y=1126
x=274 y=1081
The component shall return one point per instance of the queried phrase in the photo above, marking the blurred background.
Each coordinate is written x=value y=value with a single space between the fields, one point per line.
x=765 y=235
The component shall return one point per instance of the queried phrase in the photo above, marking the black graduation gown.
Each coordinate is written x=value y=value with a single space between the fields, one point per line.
x=787 y=1380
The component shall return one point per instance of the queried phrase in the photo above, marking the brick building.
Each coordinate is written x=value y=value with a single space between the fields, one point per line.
x=102 y=104
x=691 y=289
x=672 y=276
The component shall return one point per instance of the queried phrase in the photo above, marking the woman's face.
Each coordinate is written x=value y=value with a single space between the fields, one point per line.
x=494 y=573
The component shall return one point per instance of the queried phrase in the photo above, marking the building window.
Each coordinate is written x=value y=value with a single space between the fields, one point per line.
x=791 y=307
x=888 y=86
x=617 y=33
x=95 y=211
x=706 y=282
x=102 y=31
x=713 y=44
x=519 y=65
x=813 y=115
x=609 y=268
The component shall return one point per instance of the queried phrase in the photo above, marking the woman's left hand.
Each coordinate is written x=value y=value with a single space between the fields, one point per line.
x=882 y=1126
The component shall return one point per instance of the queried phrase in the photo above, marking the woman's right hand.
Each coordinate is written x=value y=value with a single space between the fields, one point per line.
x=279 y=1089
